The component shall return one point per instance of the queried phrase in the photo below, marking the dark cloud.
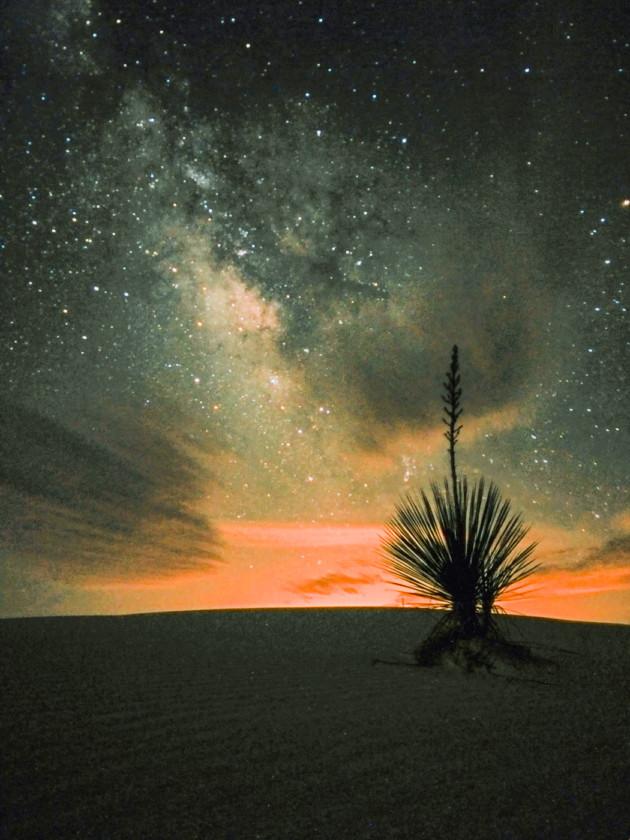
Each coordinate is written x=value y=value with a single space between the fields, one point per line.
x=387 y=359
x=121 y=502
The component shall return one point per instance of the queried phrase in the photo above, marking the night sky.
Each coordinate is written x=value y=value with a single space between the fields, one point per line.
x=238 y=241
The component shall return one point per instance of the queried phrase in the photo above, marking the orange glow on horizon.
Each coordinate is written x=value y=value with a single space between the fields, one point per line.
x=294 y=564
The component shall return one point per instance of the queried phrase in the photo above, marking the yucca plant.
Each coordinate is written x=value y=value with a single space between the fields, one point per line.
x=458 y=555
x=458 y=547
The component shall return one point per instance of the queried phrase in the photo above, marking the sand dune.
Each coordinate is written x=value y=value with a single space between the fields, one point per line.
x=275 y=724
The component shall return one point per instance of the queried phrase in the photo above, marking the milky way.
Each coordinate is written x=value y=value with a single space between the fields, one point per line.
x=239 y=241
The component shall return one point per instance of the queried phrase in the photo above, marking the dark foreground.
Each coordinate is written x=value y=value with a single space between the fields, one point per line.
x=275 y=724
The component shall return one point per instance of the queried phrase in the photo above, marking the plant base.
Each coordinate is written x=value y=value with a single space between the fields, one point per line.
x=487 y=650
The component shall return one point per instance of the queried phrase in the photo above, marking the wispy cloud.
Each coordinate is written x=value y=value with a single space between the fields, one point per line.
x=335 y=582
x=121 y=502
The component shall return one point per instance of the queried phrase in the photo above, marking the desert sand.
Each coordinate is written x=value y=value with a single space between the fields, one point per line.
x=277 y=724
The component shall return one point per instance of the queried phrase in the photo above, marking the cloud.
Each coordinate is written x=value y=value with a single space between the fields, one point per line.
x=386 y=359
x=335 y=582
x=577 y=569
x=615 y=551
x=121 y=503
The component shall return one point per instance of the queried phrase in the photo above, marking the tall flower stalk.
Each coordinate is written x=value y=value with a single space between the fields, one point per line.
x=452 y=412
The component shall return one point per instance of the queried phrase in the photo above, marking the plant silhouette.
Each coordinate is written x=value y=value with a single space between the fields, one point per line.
x=458 y=548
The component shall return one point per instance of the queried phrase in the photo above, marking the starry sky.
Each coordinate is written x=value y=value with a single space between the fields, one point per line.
x=238 y=241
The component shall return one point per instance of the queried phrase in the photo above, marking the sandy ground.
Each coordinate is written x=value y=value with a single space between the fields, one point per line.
x=276 y=724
